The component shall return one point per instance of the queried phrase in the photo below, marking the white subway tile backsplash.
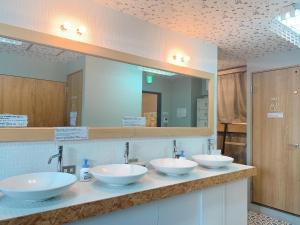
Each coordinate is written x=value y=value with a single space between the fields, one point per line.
x=19 y=158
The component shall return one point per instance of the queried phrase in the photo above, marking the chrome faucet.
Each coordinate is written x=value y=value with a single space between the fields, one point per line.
x=174 y=149
x=211 y=144
x=126 y=153
x=59 y=157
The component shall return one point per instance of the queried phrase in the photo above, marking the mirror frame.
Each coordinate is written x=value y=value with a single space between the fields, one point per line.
x=48 y=133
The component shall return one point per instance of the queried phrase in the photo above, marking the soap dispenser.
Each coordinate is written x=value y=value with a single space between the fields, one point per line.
x=182 y=155
x=85 y=174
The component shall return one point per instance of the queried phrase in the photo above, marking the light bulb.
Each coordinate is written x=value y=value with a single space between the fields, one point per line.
x=81 y=30
x=66 y=26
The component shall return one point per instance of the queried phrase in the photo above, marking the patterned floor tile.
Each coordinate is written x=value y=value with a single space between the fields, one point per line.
x=261 y=219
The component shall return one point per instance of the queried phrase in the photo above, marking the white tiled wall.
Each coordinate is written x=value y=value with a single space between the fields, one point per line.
x=19 y=158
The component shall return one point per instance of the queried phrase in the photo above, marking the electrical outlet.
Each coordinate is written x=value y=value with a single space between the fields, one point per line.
x=69 y=169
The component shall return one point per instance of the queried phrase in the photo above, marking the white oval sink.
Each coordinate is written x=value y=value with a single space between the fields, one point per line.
x=37 y=186
x=213 y=161
x=118 y=174
x=173 y=167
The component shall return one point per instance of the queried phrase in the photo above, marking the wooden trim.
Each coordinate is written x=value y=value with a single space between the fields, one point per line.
x=93 y=50
x=47 y=134
x=26 y=134
x=232 y=70
x=277 y=68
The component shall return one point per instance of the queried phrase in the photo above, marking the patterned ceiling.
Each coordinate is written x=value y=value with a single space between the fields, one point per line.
x=39 y=51
x=239 y=27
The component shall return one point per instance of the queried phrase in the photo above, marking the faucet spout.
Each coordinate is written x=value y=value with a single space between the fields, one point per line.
x=174 y=149
x=126 y=153
x=52 y=157
x=59 y=157
x=211 y=143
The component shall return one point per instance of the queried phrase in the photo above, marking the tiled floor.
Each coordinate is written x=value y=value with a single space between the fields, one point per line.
x=261 y=219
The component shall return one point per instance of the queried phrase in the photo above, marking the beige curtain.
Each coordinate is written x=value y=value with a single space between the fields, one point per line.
x=232 y=98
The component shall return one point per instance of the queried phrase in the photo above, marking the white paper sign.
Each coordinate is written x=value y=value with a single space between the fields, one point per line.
x=10 y=120
x=134 y=121
x=275 y=115
x=71 y=133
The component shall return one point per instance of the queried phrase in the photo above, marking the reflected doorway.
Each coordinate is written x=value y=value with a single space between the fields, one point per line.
x=151 y=108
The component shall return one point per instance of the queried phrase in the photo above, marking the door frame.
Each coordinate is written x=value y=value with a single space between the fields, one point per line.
x=159 y=102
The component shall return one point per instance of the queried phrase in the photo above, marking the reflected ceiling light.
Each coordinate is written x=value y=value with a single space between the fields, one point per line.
x=287 y=24
x=156 y=71
x=10 y=41
x=81 y=30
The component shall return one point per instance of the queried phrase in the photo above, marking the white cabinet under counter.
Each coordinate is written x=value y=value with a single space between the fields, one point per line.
x=203 y=197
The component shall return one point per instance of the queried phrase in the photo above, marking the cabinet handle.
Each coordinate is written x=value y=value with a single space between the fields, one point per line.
x=294 y=145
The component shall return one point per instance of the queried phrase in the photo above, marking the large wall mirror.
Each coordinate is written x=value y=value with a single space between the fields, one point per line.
x=53 y=87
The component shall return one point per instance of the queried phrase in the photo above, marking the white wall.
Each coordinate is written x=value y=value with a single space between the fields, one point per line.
x=112 y=90
x=111 y=29
x=108 y=28
x=268 y=62
x=19 y=158
x=32 y=67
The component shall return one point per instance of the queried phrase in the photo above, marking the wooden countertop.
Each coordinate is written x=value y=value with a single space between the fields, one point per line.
x=85 y=200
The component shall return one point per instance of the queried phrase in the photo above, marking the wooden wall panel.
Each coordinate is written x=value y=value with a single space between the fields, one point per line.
x=41 y=100
x=17 y=96
x=50 y=104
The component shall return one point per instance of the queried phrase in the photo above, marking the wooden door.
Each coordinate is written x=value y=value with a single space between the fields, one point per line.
x=17 y=97
x=276 y=139
x=74 y=98
x=151 y=108
x=50 y=104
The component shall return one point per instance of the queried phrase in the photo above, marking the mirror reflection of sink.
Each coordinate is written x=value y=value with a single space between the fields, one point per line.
x=173 y=167
x=37 y=186
x=119 y=174
x=213 y=161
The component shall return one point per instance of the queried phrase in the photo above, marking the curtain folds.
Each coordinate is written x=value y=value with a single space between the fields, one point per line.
x=232 y=98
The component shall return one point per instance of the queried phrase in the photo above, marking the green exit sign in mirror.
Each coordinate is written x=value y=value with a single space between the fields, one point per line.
x=149 y=79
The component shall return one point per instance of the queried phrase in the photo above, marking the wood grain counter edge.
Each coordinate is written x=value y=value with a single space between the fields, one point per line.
x=100 y=207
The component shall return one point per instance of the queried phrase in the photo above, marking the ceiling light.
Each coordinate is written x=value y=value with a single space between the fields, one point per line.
x=10 y=41
x=156 y=71
x=287 y=24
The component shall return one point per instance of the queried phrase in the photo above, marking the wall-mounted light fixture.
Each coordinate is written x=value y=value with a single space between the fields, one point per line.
x=180 y=58
x=69 y=27
x=81 y=30
x=66 y=26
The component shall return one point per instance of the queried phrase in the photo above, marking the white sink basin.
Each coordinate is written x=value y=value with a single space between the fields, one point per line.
x=173 y=167
x=118 y=174
x=213 y=161
x=37 y=186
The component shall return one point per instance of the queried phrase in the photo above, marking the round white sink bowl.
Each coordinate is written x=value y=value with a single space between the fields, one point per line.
x=173 y=167
x=37 y=186
x=118 y=174
x=213 y=161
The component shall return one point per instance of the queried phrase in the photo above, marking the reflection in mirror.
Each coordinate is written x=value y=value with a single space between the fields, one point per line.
x=43 y=86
